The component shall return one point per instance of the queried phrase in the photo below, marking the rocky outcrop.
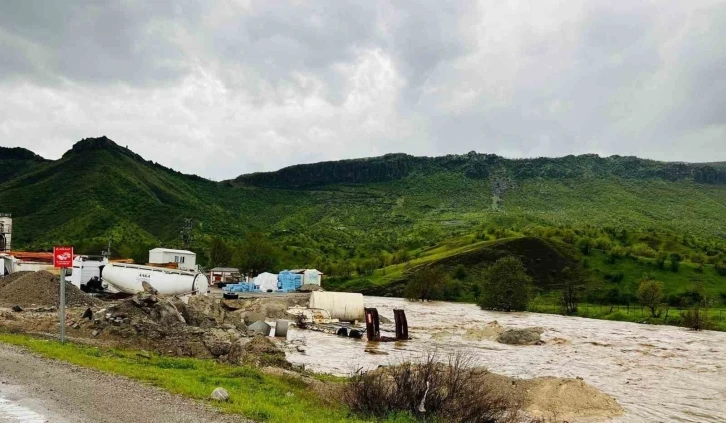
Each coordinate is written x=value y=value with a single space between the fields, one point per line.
x=527 y=336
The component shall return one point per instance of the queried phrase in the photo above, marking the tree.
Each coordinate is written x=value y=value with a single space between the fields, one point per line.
x=220 y=253
x=460 y=272
x=660 y=259
x=675 y=261
x=612 y=297
x=256 y=255
x=573 y=282
x=699 y=259
x=507 y=286
x=650 y=294
x=426 y=284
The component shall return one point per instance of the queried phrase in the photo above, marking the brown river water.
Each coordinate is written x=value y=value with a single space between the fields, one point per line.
x=656 y=373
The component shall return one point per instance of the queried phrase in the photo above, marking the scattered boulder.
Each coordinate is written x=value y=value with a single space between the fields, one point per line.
x=251 y=317
x=17 y=308
x=259 y=351
x=219 y=341
x=491 y=331
x=259 y=328
x=88 y=314
x=148 y=288
x=220 y=394
x=526 y=336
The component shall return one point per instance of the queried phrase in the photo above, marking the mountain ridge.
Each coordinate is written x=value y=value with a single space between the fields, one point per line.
x=99 y=191
x=393 y=166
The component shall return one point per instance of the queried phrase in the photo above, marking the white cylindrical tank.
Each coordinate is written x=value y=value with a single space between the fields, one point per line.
x=344 y=306
x=128 y=278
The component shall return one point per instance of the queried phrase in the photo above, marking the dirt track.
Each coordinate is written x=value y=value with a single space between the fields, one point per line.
x=35 y=389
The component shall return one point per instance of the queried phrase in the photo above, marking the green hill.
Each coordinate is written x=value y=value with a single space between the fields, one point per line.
x=352 y=217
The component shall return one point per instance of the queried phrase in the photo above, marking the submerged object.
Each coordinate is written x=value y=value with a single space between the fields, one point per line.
x=344 y=306
x=128 y=278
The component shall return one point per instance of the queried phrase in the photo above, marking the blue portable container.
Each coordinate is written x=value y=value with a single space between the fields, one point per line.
x=288 y=281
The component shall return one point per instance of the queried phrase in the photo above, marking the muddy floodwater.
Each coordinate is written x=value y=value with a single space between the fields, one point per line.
x=657 y=373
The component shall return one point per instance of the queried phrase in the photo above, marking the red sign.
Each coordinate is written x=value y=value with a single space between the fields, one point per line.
x=63 y=257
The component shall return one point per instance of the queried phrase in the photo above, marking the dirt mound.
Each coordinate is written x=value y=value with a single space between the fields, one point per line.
x=554 y=399
x=7 y=280
x=42 y=288
x=567 y=399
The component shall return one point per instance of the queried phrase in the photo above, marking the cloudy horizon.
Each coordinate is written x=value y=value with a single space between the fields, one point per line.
x=225 y=88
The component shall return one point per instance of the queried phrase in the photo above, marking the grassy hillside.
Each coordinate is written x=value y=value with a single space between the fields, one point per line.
x=364 y=222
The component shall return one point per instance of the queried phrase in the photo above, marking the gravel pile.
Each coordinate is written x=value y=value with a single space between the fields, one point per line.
x=42 y=289
x=7 y=280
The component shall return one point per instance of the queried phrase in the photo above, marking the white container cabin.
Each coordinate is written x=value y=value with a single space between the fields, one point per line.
x=185 y=260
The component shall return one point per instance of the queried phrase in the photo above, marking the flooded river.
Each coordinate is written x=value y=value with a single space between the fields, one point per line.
x=657 y=373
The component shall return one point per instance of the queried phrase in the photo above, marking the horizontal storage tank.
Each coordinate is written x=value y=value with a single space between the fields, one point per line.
x=344 y=306
x=128 y=278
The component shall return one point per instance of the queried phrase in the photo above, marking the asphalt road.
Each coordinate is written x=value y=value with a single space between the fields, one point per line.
x=38 y=390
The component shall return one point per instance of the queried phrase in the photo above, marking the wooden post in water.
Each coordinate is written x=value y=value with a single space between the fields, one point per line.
x=373 y=331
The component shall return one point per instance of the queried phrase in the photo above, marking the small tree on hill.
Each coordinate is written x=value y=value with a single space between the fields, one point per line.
x=660 y=259
x=675 y=261
x=573 y=282
x=507 y=286
x=426 y=284
x=699 y=259
x=650 y=294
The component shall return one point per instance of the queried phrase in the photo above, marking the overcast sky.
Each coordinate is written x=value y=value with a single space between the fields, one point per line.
x=231 y=87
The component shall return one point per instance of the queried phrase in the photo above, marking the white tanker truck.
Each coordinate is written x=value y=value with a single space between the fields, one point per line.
x=128 y=278
x=97 y=275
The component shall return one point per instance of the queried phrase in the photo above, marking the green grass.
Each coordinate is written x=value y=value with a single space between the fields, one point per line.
x=632 y=313
x=253 y=394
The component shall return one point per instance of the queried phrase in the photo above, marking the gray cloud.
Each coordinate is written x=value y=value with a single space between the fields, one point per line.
x=229 y=87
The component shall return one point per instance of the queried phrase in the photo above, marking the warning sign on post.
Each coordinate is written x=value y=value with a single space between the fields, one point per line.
x=63 y=257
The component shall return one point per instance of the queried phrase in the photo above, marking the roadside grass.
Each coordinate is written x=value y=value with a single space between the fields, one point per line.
x=253 y=394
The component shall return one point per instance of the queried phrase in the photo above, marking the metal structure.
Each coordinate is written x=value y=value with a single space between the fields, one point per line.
x=6 y=231
x=187 y=237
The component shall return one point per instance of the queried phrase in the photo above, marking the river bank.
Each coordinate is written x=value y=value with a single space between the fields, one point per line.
x=656 y=373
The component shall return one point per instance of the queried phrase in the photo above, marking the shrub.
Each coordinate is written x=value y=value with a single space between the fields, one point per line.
x=720 y=268
x=430 y=391
x=507 y=287
x=585 y=245
x=643 y=250
x=616 y=277
x=696 y=318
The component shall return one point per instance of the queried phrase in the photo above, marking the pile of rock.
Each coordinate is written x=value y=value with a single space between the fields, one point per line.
x=201 y=327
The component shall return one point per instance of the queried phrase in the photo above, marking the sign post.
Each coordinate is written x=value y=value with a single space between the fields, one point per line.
x=63 y=259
